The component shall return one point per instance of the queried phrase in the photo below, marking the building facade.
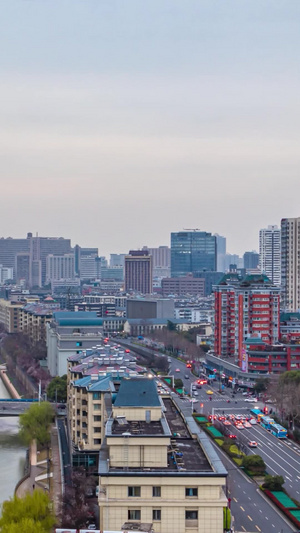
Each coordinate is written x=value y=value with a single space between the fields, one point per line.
x=60 y=267
x=243 y=308
x=251 y=260
x=290 y=263
x=157 y=468
x=270 y=253
x=221 y=253
x=183 y=286
x=138 y=272
x=192 y=251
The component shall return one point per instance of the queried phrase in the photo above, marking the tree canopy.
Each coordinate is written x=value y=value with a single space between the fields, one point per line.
x=35 y=423
x=31 y=514
x=57 y=389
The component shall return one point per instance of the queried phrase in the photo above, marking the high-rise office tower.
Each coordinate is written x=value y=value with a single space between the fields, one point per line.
x=40 y=247
x=269 y=253
x=290 y=263
x=251 y=260
x=138 y=271
x=192 y=251
x=221 y=252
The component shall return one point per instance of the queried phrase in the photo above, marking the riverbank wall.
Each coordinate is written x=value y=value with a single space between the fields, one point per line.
x=8 y=385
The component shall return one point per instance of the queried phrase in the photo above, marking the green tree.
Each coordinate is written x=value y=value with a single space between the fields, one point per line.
x=57 y=389
x=254 y=463
x=35 y=423
x=273 y=482
x=171 y=326
x=31 y=514
x=261 y=385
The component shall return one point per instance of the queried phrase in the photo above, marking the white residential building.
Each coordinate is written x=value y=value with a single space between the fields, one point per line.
x=290 y=263
x=60 y=267
x=270 y=253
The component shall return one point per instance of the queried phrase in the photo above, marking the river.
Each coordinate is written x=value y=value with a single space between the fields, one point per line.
x=12 y=452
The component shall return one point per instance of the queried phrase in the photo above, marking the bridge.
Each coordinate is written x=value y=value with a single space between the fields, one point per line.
x=10 y=407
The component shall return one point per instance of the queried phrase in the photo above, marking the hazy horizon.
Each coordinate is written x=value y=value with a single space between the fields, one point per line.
x=122 y=122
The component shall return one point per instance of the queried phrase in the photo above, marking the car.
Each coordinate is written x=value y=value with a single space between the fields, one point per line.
x=250 y=400
x=252 y=444
x=247 y=425
x=177 y=370
x=252 y=421
x=209 y=392
x=189 y=365
x=92 y=527
x=231 y=436
x=226 y=423
x=186 y=376
x=239 y=426
x=195 y=393
x=127 y=351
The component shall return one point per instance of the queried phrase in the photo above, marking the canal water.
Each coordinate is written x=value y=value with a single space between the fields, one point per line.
x=12 y=453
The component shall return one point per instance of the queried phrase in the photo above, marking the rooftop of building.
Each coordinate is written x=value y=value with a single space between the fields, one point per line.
x=289 y=317
x=190 y=451
x=138 y=392
x=154 y=321
x=77 y=318
x=95 y=383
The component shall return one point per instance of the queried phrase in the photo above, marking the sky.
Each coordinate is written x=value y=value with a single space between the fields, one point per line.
x=122 y=121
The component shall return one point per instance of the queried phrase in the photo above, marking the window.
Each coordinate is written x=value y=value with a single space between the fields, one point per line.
x=97 y=406
x=134 y=491
x=97 y=430
x=97 y=418
x=156 y=492
x=191 y=515
x=96 y=395
x=156 y=514
x=191 y=492
x=134 y=514
x=97 y=442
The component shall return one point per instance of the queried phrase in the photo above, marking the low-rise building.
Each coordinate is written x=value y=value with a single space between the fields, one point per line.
x=70 y=333
x=157 y=467
x=136 y=326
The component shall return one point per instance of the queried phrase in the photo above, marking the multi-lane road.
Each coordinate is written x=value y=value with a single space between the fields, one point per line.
x=251 y=511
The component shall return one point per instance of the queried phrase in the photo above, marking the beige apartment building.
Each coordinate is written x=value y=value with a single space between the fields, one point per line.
x=157 y=469
x=10 y=315
x=87 y=413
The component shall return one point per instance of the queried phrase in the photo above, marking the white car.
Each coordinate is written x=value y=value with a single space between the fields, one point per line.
x=177 y=370
x=250 y=400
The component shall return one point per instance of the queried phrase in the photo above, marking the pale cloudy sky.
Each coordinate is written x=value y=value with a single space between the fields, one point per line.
x=124 y=120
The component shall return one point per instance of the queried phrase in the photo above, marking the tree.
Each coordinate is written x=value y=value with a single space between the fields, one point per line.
x=35 y=423
x=261 y=385
x=161 y=363
x=75 y=510
x=254 y=463
x=32 y=514
x=57 y=389
x=171 y=326
x=273 y=482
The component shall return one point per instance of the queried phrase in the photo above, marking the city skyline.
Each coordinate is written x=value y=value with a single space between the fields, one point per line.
x=150 y=116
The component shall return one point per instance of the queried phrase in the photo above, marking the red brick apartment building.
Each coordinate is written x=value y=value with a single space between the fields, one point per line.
x=244 y=308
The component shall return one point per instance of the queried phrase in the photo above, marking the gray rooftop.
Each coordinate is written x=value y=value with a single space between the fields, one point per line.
x=137 y=392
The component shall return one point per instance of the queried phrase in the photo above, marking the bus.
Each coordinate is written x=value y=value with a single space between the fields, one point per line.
x=266 y=422
x=278 y=431
x=256 y=413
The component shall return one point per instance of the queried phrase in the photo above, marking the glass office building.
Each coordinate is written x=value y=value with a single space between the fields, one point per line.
x=192 y=251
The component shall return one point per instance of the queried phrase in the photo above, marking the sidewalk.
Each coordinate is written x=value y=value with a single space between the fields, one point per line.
x=38 y=476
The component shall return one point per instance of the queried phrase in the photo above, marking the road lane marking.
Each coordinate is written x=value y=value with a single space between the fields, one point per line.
x=244 y=529
x=258 y=529
x=235 y=500
x=250 y=518
x=254 y=503
x=242 y=508
x=260 y=511
x=273 y=525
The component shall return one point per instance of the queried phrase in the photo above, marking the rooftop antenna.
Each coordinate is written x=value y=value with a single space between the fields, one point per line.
x=191 y=229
